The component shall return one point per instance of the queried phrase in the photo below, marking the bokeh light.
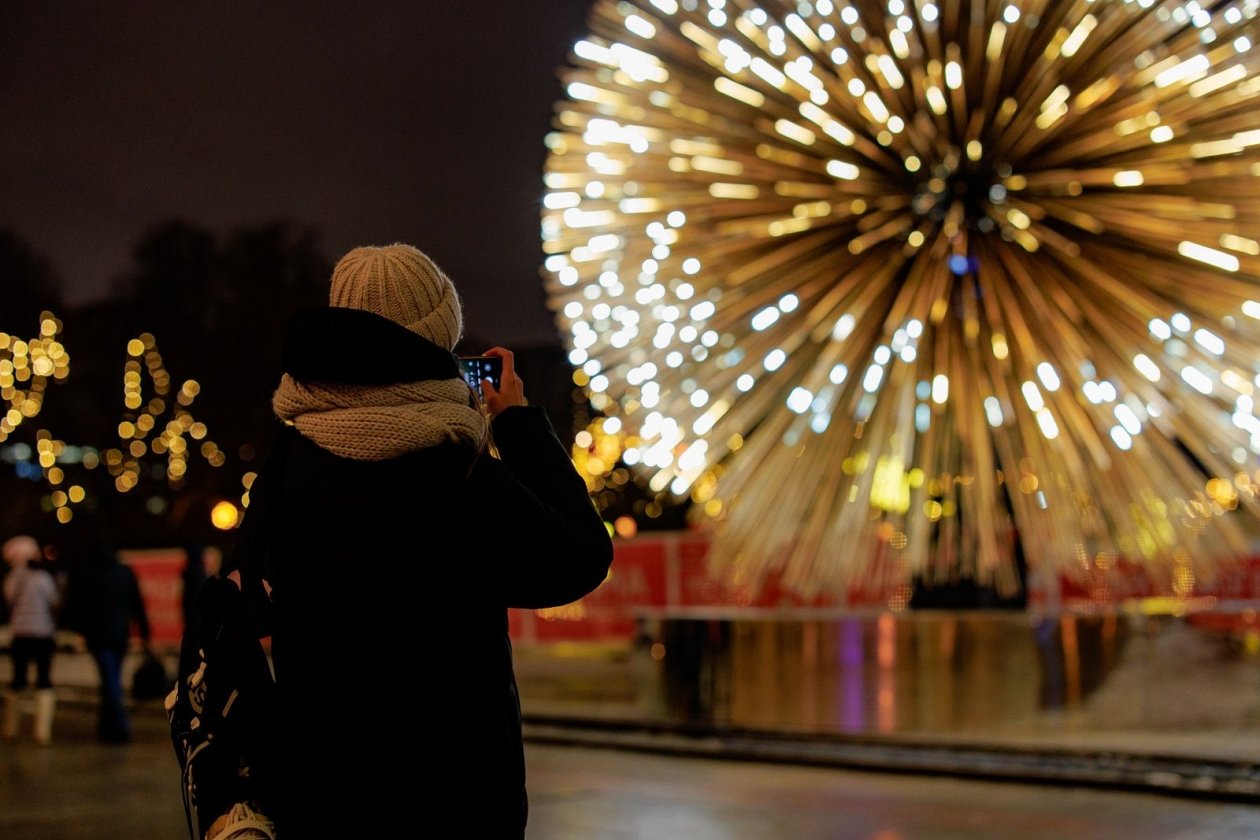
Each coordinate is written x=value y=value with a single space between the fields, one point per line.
x=904 y=289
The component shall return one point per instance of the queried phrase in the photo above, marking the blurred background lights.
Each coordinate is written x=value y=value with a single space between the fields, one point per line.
x=1006 y=248
x=224 y=515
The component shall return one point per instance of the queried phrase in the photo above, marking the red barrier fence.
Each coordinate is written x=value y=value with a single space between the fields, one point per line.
x=664 y=571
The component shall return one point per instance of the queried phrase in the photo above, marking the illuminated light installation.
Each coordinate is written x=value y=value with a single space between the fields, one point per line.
x=25 y=370
x=861 y=277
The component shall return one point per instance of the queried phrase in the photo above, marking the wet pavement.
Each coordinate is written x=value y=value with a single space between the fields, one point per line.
x=713 y=727
x=76 y=789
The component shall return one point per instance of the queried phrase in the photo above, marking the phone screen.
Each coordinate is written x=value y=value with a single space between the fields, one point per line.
x=477 y=368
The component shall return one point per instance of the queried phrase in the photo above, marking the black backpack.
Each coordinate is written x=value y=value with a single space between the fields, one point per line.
x=223 y=707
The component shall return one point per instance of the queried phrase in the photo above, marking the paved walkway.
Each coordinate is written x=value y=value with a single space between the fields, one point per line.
x=77 y=789
x=576 y=697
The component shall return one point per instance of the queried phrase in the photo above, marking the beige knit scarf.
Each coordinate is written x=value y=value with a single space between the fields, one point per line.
x=372 y=423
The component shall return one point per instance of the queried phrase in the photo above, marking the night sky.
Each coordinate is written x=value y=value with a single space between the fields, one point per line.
x=420 y=122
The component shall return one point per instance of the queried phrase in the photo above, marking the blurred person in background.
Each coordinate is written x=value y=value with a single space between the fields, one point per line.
x=104 y=606
x=33 y=596
x=403 y=513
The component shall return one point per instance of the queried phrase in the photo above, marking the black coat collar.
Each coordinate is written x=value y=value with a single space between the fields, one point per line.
x=353 y=346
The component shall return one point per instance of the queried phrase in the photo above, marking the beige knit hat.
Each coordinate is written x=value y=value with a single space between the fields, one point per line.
x=402 y=284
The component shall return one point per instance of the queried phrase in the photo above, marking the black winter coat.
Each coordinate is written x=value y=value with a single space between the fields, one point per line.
x=103 y=601
x=391 y=583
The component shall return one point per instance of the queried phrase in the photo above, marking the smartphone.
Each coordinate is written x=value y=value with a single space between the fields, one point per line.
x=477 y=368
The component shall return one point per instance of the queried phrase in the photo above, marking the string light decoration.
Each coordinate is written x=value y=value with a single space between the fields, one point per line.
x=143 y=417
x=26 y=367
x=882 y=286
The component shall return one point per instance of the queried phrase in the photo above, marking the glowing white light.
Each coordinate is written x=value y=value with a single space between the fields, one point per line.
x=838 y=374
x=745 y=382
x=699 y=398
x=1128 y=419
x=844 y=171
x=1032 y=395
x=1209 y=341
x=1146 y=367
x=843 y=327
x=1180 y=323
x=603 y=243
x=993 y=411
x=765 y=318
x=882 y=355
x=1107 y=390
x=799 y=400
x=1048 y=375
x=691 y=265
x=874 y=376
x=703 y=310
x=640 y=26
x=1211 y=256
x=1159 y=329
x=1049 y=428
x=1191 y=68
x=1121 y=438
x=1197 y=379
x=940 y=389
x=676 y=219
x=788 y=302
x=768 y=72
x=774 y=359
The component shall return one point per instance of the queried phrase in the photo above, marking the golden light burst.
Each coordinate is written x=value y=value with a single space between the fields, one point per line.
x=882 y=284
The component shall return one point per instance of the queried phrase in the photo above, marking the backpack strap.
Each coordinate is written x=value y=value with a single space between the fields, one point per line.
x=250 y=558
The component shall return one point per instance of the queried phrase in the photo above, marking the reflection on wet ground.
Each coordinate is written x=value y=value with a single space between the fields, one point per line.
x=1135 y=682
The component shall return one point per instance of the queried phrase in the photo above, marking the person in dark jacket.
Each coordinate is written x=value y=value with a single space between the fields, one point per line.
x=103 y=604
x=405 y=517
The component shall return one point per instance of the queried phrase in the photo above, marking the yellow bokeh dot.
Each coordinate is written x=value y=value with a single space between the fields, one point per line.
x=224 y=516
x=626 y=527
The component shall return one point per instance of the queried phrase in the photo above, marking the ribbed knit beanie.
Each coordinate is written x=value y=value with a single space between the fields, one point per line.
x=402 y=284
